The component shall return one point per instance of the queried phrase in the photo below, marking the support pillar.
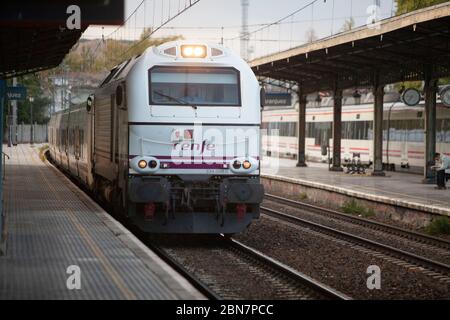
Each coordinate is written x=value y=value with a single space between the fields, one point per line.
x=2 y=108
x=14 y=117
x=378 y=109
x=430 y=89
x=337 y=128
x=301 y=129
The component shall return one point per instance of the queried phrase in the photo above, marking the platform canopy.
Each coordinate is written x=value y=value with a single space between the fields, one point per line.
x=400 y=49
x=34 y=35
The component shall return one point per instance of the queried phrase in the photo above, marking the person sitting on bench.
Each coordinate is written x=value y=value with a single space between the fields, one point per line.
x=442 y=166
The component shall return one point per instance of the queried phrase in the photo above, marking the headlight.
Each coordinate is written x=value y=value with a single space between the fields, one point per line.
x=247 y=164
x=145 y=164
x=236 y=164
x=243 y=165
x=152 y=164
x=195 y=51
x=142 y=164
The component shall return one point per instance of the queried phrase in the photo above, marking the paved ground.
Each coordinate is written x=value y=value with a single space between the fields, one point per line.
x=401 y=186
x=53 y=228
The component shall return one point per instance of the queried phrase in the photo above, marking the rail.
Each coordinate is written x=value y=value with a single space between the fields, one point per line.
x=377 y=246
x=313 y=284
x=372 y=224
x=195 y=281
x=239 y=254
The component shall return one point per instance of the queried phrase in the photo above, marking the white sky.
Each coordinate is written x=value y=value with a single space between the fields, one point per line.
x=205 y=19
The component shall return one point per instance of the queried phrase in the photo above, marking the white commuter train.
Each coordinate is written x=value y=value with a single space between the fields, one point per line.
x=170 y=139
x=403 y=144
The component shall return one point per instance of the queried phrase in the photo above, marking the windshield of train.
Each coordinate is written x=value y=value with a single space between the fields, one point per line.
x=199 y=86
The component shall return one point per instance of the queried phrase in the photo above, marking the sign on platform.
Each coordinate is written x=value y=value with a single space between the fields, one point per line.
x=277 y=99
x=16 y=93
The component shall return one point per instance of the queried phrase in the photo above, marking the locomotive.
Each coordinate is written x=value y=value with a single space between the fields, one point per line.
x=170 y=139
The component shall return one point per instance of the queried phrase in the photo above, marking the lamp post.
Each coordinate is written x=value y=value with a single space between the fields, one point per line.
x=31 y=99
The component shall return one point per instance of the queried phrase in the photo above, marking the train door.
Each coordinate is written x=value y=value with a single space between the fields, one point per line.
x=68 y=140
x=89 y=139
x=77 y=149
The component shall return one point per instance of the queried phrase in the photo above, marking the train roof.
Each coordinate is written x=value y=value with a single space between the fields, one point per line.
x=170 y=50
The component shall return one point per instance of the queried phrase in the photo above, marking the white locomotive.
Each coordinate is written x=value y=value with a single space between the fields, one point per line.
x=170 y=139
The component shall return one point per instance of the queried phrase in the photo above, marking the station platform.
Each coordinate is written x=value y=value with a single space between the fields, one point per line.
x=398 y=189
x=61 y=245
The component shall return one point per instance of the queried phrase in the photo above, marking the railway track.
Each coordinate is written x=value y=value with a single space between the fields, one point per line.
x=289 y=283
x=227 y=269
x=371 y=224
x=429 y=266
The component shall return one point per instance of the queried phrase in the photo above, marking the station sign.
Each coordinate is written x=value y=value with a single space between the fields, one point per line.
x=16 y=93
x=277 y=99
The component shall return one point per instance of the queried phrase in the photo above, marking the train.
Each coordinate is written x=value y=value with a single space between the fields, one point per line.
x=170 y=140
x=403 y=142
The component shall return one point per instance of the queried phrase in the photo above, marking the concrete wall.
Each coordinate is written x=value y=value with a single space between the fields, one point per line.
x=334 y=200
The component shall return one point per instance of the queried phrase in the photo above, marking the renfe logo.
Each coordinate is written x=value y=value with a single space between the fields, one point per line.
x=194 y=146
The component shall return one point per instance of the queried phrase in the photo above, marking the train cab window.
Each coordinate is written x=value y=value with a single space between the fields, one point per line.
x=121 y=68
x=110 y=75
x=199 y=86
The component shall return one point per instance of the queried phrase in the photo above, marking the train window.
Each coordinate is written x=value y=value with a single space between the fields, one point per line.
x=404 y=130
x=282 y=129
x=356 y=130
x=122 y=67
x=110 y=75
x=320 y=131
x=443 y=131
x=199 y=86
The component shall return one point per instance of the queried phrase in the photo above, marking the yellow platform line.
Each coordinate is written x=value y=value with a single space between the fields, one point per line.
x=115 y=276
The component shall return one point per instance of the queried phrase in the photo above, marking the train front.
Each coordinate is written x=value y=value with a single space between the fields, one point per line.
x=194 y=140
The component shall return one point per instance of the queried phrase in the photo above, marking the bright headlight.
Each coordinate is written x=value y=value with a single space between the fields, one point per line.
x=188 y=51
x=199 y=52
x=196 y=51
x=142 y=164
x=246 y=164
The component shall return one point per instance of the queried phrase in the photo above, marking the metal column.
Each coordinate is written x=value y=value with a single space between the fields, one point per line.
x=378 y=92
x=337 y=128
x=2 y=108
x=430 y=89
x=301 y=128
x=14 y=117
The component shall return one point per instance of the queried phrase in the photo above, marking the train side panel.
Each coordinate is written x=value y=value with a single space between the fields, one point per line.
x=403 y=143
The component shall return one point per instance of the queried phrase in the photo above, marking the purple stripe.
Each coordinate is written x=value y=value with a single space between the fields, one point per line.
x=190 y=158
x=175 y=165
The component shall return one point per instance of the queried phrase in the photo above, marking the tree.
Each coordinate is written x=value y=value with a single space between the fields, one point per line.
x=125 y=50
x=102 y=55
x=405 y=6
